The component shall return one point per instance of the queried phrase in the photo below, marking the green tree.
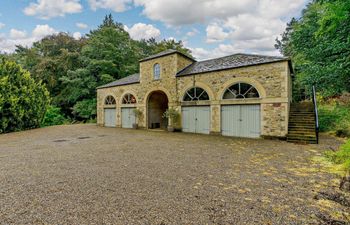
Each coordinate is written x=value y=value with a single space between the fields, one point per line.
x=49 y=60
x=23 y=101
x=318 y=44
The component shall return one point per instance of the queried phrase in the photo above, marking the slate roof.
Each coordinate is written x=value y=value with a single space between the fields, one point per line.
x=132 y=79
x=164 y=53
x=228 y=62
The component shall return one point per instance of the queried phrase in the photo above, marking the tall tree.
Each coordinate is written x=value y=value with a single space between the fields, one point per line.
x=109 y=54
x=319 y=44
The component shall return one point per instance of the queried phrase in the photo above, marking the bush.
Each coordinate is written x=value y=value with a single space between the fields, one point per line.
x=23 y=102
x=53 y=116
x=85 y=109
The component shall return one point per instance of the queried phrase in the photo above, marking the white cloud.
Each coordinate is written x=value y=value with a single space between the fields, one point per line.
x=81 y=25
x=200 y=53
x=249 y=25
x=17 y=37
x=41 y=31
x=182 y=12
x=46 y=9
x=215 y=33
x=77 y=35
x=192 y=33
x=143 y=31
x=115 y=5
x=2 y=25
x=17 y=34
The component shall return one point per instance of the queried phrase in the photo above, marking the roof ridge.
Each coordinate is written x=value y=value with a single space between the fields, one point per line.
x=247 y=54
x=164 y=53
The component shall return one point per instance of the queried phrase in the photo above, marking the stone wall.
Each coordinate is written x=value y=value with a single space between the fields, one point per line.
x=272 y=80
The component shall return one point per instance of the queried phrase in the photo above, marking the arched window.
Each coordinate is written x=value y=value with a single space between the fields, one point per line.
x=110 y=100
x=241 y=90
x=156 y=71
x=196 y=94
x=129 y=99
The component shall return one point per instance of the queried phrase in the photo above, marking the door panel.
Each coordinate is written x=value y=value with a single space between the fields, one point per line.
x=196 y=119
x=188 y=119
x=240 y=120
x=110 y=117
x=203 y=120
x=128 y=117
x=230 y=119
x=250 y=115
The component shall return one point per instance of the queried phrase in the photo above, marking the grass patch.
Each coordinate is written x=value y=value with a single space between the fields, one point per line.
x=341 y=158
x=334 y=115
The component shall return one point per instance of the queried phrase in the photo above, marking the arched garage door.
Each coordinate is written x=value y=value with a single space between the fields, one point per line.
x=110 y=111
x=110 y=117
x=128 y=117
x=240 y=120
x=196 y=119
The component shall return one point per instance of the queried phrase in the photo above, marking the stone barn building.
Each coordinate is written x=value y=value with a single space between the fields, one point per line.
x=239 y=95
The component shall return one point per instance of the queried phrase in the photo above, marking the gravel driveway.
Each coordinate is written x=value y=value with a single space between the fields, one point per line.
x=85 y=174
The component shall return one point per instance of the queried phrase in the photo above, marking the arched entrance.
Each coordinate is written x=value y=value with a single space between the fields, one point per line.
x=157 y=104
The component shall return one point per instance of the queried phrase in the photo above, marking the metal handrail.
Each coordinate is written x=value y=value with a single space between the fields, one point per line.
x=316 y=111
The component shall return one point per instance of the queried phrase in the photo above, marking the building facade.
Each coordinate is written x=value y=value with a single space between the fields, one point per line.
x=239 y=95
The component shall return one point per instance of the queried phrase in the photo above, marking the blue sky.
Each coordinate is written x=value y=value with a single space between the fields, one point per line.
x=210 y=28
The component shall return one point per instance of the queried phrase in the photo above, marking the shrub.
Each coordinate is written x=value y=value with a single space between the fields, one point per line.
x=54 y=116
x=85 y=109
x=23 y=102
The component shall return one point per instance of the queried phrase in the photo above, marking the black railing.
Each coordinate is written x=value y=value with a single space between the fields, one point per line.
x=314 y=100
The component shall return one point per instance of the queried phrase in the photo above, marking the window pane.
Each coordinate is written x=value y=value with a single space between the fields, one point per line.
x=241 y=90
x=110 y=100
x=228 y=95
x=196 y=94
x=156 y=71
x=129 y=99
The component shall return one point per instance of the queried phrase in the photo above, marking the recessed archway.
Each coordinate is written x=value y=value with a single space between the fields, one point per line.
x=157 y=104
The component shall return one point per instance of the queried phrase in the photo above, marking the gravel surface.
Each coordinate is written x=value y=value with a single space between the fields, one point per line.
x=85 y=174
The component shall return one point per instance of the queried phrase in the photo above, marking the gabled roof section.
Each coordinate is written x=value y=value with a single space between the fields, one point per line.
x=229 y=62
x=132 y=79
x=165 y=53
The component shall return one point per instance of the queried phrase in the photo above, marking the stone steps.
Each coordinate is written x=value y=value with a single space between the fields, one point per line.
x=301 y=126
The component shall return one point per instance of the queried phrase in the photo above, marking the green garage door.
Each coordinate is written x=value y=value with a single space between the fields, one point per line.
x=110 y=117
x=196 y=119
x=128 y=117
x=240 y=120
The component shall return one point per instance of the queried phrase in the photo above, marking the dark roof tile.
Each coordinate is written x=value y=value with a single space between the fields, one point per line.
x=164 y=53
x=135 y=78
x=228 y=62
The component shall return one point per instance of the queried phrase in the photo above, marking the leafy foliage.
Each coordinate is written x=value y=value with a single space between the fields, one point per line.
x=318 y=44
x=53 y=116
x=334 y=115
x=85 y=109
x=23 y=101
